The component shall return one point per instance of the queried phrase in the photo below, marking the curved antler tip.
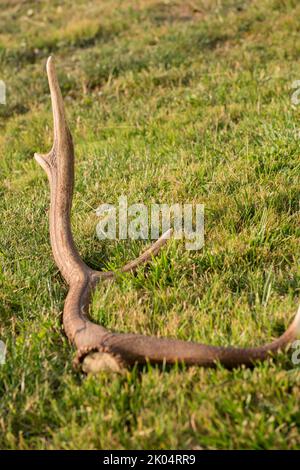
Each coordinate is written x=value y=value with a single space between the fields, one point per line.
x=97 y=361
x=42 y=160
x=50 y=60
x=50 y=68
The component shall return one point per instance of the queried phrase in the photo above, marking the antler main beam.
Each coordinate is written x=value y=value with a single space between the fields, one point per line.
x=98 y=348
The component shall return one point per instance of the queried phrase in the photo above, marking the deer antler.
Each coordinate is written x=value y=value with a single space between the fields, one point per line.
x=98 y=348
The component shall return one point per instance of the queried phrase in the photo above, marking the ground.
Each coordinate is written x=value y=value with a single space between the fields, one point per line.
x=168 y=101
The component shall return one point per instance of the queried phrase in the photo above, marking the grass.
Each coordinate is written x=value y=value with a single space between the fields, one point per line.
x=168 y=102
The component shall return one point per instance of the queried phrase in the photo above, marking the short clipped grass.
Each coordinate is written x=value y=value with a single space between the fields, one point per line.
x=168 y=101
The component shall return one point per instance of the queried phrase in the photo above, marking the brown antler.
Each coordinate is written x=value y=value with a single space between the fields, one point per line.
x=98 y=348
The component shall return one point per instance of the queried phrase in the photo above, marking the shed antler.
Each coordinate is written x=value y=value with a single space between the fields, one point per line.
x=98 y=348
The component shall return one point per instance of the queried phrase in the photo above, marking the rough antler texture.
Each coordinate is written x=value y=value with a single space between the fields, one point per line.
x=98 y=348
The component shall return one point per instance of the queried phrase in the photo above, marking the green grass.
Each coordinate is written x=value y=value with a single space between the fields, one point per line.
x=169 y=101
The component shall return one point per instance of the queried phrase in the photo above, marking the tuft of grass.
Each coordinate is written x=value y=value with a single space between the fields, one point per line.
x=168 y=102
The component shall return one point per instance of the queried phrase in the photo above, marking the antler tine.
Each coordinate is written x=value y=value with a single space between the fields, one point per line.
x=59 y=166
x=96 y=347
x=145 y=257
x=62 y=141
